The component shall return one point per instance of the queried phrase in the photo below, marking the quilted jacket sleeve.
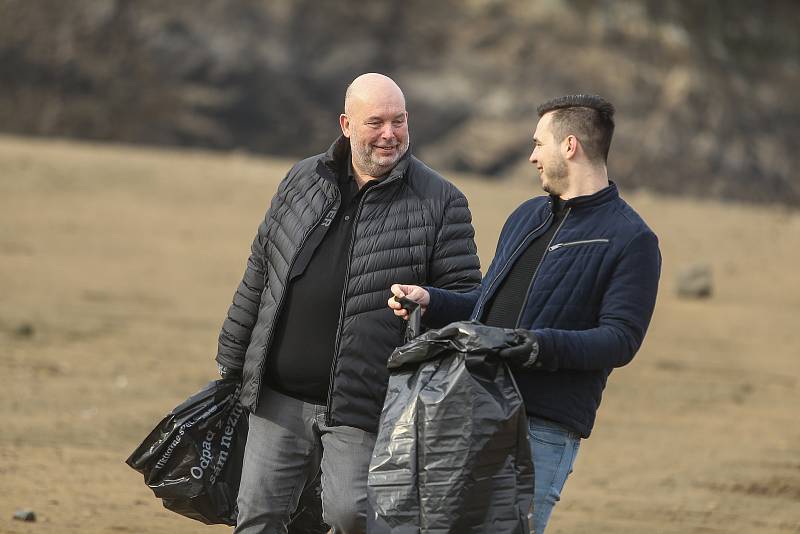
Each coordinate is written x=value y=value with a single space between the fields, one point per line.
x=454 y=270
x=235 y=334
x=625 y=314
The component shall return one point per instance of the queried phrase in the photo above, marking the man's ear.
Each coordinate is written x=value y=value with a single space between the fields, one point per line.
x=570 y=146
x=344 y=124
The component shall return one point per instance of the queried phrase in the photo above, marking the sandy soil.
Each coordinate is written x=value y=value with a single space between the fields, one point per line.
x=117 y=266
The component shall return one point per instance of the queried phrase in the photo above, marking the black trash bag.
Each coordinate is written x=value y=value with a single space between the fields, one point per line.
x=193 y=459
x=452 y=453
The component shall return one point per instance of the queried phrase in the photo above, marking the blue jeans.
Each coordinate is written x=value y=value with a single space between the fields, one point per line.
x=554 y=449
x=287 y=443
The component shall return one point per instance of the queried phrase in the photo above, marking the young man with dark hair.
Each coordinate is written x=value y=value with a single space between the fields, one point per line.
x=576 y=272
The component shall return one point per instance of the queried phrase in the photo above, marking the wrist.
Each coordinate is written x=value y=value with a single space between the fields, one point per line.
x=533 y=357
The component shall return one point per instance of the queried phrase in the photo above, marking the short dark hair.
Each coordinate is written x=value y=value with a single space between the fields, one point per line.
x=590 y=118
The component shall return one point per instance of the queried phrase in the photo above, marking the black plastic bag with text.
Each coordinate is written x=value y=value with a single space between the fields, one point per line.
x=193 y=459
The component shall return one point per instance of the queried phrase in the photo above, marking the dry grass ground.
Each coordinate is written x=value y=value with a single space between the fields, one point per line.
x=118 y=264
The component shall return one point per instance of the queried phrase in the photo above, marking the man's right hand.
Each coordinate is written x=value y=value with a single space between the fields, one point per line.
x=415 y=293
x=226 y=372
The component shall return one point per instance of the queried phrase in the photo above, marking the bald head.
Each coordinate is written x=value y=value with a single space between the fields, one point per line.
x=372 y=88
x=375 y=121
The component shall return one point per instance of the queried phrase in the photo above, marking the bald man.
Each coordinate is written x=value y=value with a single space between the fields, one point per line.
x=309 y=331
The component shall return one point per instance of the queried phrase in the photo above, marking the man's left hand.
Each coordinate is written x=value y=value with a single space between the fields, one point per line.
x=525 y=355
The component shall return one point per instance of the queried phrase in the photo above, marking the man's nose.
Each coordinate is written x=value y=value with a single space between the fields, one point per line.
x=533 y=157
x=387 y=132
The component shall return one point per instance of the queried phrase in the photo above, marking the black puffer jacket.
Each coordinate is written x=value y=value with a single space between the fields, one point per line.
x=414 y=227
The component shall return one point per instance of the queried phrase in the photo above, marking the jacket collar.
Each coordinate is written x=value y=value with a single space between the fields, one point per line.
x=607 y=194
x=337 y=159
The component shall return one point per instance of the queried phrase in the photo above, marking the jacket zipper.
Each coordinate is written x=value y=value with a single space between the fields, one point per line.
x=328 y=419
x=279 y=306
x=541 y=261
x=509 y=261
x=573 y=243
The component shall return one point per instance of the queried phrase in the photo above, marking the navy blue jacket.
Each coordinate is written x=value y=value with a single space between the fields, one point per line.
x=589 y=302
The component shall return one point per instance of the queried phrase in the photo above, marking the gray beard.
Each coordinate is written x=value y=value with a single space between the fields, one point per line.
x=373 y=168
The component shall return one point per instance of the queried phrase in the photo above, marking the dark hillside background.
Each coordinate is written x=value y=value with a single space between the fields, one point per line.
x=706 y=91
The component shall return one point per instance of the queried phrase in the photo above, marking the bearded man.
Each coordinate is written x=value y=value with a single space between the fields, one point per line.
x=308 y=330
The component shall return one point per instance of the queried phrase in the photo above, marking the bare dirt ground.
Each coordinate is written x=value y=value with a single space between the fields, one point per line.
x=117 y=266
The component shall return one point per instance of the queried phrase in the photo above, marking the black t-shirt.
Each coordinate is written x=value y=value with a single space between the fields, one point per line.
x=302 y=349
x=504 y=308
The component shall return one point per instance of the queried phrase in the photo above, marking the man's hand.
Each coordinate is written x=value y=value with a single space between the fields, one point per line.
x=525 y=355
x=415 y=293
x=226 y=372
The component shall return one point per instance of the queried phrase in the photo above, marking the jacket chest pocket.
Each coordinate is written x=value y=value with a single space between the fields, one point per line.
x=583 y=242
x=579 y=264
